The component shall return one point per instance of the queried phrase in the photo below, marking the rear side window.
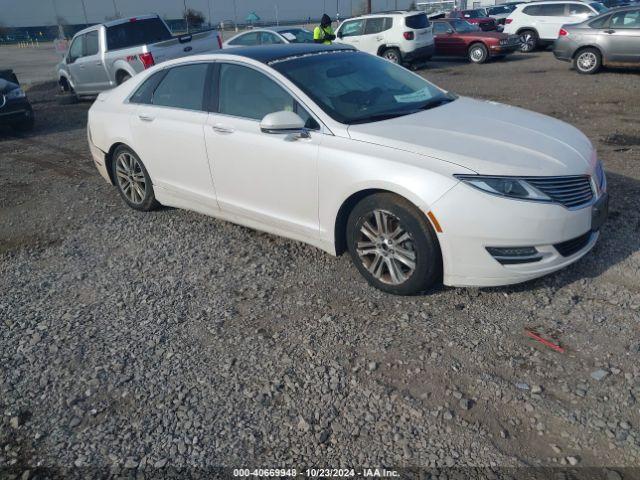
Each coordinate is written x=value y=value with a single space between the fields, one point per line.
x=91 y=43
x=75 y=51
x=145 y=91
x=267 y=38
x=440 y=27
x=417 y=21
x=600 y=22
x=135 y=33
x=377 y=25
x=552 y=10
x=182 y=87
x=247 y=39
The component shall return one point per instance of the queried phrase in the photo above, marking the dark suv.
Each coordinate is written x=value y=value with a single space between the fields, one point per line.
x=15 y=109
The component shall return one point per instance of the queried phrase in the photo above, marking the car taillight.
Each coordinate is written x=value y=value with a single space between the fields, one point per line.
x=508 y=20
x=562 y=32
x=408 y=35
x=147 y=60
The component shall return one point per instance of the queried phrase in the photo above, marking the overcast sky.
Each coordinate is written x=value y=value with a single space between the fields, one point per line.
x=20 y=13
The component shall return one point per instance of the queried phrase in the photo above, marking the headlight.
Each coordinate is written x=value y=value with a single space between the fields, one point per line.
x=510 y=187
x=601 y=178
x=15 y=93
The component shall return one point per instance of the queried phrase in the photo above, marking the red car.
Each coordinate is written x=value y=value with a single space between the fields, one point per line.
x=458 y=38
x=476 y=17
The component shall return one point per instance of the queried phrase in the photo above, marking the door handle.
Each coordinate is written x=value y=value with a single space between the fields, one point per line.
x=98 y=62
x=145 y=118
x=221 y=129
x=610 y=31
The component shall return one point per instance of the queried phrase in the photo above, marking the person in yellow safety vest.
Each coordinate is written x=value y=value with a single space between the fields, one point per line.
x=324 y=32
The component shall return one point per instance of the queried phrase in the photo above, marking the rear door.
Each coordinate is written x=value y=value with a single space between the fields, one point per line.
x=374 y=34
x=622 y=38
x=168 y=133
x=550 y=18
x=74 y=65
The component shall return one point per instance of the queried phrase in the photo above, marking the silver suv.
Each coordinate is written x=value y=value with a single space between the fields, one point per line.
x=610 y=38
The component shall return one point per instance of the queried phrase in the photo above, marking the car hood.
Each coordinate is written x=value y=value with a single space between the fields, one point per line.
x=486 y=137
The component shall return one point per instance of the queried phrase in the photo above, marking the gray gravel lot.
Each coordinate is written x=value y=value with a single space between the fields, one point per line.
x=131 y=342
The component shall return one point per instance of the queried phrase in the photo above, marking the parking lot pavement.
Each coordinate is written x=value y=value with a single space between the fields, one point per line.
x=33 y=64
x=133 y=340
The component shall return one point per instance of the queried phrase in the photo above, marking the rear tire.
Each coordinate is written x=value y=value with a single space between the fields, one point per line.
x=587 y=61
x=393 y=245
x=393 y=55
x=478 y=53
x=132 y=180
x=529 y=41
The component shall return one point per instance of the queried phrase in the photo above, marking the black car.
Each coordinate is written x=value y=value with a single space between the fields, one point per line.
x=15 y=109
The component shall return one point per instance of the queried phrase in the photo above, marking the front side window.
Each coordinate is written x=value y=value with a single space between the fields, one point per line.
x=579 y=9
x=352 y=29
x=75 y=51
x=462 y=26
x=91 y=43
x=246 y=39
x=440 y=27
x=182 y=87
x=598 y=7
x=626 y=20
x=355 y=87
x=247 y=93
x=297 y=35
x=472 y=14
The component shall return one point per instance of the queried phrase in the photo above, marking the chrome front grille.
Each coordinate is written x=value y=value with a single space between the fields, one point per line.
x=570 y=191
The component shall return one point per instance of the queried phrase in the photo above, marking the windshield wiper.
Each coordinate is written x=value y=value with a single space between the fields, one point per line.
x=383 y=116
x=436 y=102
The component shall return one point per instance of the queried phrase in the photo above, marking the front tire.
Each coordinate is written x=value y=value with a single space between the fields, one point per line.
x=393 y=245
x=587 y=61
x=393 y=55
x=478 y=53
x=528 y=41
x=132 y=180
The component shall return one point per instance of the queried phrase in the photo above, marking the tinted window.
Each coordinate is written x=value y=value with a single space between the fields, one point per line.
x=598 y=7
x=267 y=38
x=499 y=10
x=417 y=21
x=576 y=9
x=472 y=14
x=552 y=10
x=309 y=121
x=182 y=87
x=377 y=25
x=351 y=29
x=75 y=51
x=91 y=43
x=600 y=22
x=139 y=32
x=355 y=87
x=626 y=20
x=247 y=93
x=246 y=39
x=145 y=91
x=462 y=26
x=440 y=27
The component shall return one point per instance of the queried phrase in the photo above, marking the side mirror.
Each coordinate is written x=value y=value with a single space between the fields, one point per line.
x=69 y=60
x=449 y=31
x=283 y=122
x=340 y=35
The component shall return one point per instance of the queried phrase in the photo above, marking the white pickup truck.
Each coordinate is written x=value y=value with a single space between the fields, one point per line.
x=105 y=55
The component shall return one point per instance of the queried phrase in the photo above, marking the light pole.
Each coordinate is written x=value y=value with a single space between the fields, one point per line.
x=84 y=9
x=276 y=7
x=209 y=6
x=235 y=15
x=184 y=14
x=115 y=9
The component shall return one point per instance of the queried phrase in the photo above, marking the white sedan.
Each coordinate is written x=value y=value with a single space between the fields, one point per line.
x=270 y=36
x=348 y=152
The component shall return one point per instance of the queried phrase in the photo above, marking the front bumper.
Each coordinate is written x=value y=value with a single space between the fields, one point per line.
x=422 y=53
x=15 y=111
x=472 y=220
x=99 y=159
x=495 y=50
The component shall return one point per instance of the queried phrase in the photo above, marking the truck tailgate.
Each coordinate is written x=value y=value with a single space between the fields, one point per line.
x=183 y=45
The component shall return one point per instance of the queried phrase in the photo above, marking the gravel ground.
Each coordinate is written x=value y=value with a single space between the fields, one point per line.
x=131 y=342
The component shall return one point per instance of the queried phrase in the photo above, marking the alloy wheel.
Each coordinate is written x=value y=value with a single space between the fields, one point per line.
x=528 y=42
x=587 y=61
x=131 y=178
x=477 y=54
x=392 y=56
x=386 y=248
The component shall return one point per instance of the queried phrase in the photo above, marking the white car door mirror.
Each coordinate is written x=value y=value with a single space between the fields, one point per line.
x=282 y=123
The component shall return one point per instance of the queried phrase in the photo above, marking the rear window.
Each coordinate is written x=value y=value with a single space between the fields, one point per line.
x=135 y=33
x=417 y=21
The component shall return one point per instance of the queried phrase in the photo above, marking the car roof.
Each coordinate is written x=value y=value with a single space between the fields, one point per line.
x=270 y=53
x=551 y=2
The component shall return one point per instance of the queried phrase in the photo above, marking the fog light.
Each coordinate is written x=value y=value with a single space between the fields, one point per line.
x=514 y=255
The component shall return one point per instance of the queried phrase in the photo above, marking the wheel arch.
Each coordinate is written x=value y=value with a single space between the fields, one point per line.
x=342 y=215
x=477 y=42
x=584 y=47
x=381 y=49
x=525 y=29
x=109 y=158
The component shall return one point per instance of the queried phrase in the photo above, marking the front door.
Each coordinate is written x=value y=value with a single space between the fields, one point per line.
x=350 y=32
x=94 y=73
x=168 y=135
x=267 y=178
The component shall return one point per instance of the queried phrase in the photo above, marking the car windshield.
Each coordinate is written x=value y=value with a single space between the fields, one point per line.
x=598 y=7
x=355 y=87
x=472 y=14
x=297 y=35
x=461 y=26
